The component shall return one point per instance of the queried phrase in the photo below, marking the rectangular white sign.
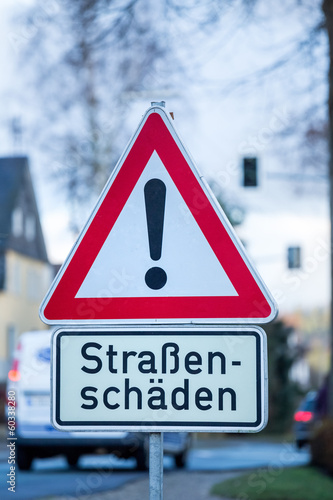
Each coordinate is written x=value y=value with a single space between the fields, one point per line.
x=160 y=379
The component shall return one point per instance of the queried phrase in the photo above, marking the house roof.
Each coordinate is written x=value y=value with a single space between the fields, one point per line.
x=16 y=192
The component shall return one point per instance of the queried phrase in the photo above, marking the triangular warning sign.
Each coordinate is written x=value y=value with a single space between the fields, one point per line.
x=157 y=247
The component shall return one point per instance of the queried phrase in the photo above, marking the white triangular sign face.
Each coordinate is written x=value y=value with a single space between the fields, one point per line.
x=157 y=247
x=188 y=260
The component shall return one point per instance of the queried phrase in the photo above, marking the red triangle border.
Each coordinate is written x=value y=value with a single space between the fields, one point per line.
x=253 y=302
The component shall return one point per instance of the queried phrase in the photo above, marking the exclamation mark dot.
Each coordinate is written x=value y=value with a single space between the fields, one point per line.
x=155 y=191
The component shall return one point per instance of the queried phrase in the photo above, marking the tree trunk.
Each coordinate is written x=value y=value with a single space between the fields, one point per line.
x=328 y=12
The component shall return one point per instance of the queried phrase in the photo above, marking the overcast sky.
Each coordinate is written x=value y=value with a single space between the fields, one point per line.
x=217 y=128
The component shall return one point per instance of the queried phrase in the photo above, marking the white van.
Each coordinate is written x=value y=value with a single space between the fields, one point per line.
x=29 y=377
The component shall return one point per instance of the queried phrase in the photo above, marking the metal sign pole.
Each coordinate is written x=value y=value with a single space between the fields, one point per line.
x=156 y=466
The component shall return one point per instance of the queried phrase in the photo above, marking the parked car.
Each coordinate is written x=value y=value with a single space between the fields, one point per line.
x=305 y=419
x=29 y=378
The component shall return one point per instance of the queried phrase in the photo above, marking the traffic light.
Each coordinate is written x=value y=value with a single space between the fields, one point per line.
x=294 y=257
x=250 y=177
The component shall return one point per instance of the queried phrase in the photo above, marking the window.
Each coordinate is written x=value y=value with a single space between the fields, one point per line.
x=2 y=271
x=11 y=341
x=34 y=290
x=30 y=227
x=14 y=282
x=17 y=222
x=250 y=174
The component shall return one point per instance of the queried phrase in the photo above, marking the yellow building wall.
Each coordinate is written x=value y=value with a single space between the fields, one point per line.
x=26 y=282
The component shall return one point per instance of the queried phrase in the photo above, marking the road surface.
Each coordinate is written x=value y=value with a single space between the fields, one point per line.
x=51 y=477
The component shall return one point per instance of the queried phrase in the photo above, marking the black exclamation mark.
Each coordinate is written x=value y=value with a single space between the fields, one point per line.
x=155 y=191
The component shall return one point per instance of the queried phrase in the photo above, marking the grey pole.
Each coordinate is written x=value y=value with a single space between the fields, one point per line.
x=155 y=466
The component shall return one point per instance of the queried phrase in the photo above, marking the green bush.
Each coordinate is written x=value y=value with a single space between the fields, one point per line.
x=322 y=446
x=283 y=393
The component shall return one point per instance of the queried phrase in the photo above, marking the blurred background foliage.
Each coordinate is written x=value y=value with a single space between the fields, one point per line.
x=86 y=62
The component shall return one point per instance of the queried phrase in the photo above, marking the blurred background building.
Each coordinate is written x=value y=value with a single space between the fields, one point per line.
x=25 y=272
x=248 y=84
